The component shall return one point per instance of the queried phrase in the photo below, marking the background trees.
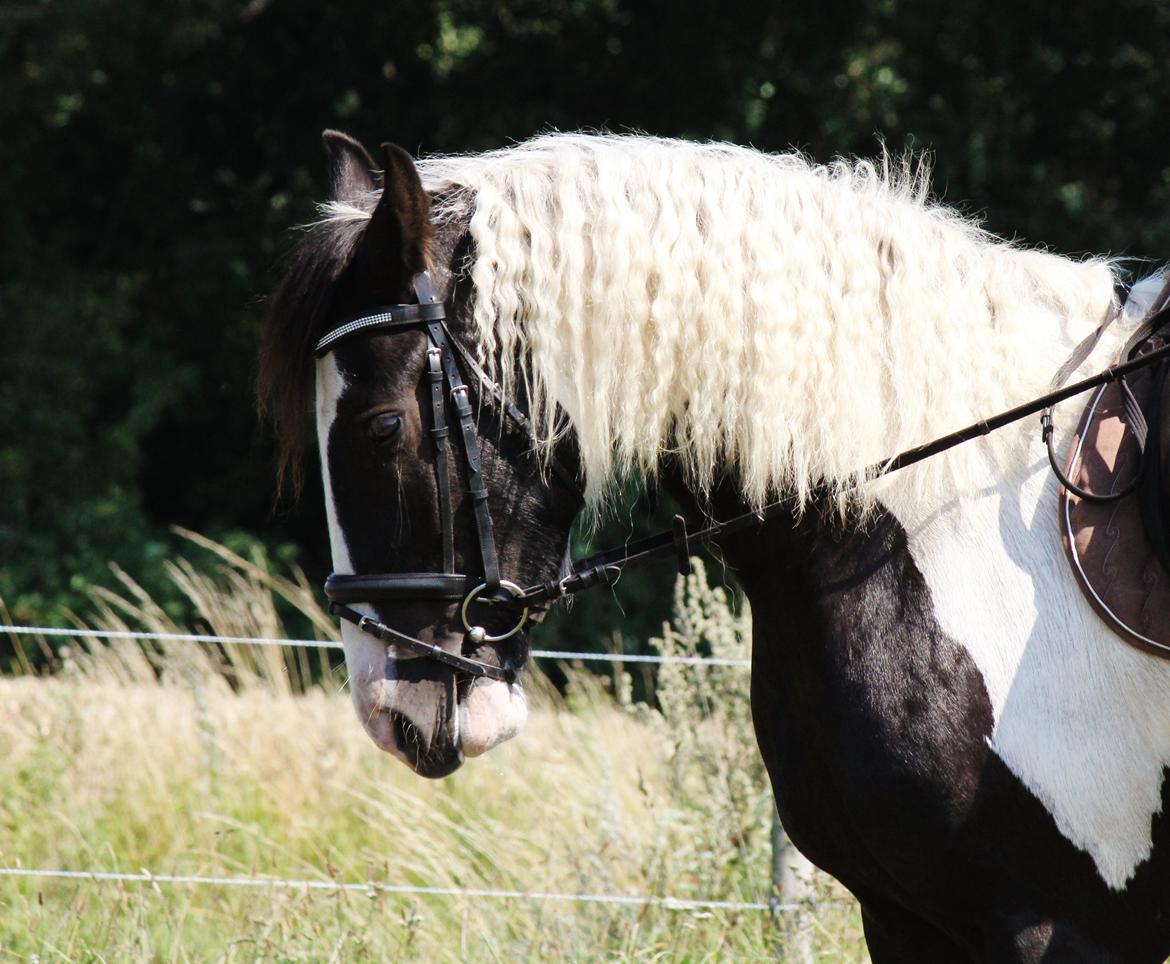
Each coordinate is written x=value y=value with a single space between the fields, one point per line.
x=154 y=156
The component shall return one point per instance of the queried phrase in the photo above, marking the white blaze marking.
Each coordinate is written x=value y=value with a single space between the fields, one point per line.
x=365 y=657
x=330 y=386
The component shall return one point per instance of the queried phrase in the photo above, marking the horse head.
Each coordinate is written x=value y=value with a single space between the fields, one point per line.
x=423 y=476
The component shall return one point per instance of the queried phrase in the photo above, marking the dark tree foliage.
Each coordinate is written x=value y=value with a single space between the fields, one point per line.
x=154 y=156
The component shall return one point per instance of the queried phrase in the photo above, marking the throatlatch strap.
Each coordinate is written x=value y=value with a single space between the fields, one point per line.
x=439 y=433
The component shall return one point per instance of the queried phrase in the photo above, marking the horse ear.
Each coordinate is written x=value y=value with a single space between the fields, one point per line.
x=400 y=227
x=351 y=169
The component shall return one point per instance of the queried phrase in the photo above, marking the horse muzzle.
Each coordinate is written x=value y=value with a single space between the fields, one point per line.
x=427 y=714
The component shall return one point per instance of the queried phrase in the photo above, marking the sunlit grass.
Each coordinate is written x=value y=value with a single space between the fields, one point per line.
x=197 y=761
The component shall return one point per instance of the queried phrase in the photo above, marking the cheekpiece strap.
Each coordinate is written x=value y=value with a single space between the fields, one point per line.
x=476 y=488
x=439 y=434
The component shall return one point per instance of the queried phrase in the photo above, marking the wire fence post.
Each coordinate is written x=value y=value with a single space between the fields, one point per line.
x=791 y=885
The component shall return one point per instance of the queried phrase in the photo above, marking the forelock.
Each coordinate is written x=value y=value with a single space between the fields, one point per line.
x=294 y=320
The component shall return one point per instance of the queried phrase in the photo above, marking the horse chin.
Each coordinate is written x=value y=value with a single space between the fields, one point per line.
x=396 y=734
x=490 y=713
x=435 y=744
x=408 y=707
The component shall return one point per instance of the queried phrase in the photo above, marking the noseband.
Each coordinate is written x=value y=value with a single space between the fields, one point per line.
x=443 y=371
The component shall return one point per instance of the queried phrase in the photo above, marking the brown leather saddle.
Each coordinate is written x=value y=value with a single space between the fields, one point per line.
x=1116 y=529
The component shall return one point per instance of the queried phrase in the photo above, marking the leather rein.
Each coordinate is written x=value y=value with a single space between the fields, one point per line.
x=444 y=359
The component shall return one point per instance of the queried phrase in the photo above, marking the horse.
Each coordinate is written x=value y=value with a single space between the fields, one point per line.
x=495 y=340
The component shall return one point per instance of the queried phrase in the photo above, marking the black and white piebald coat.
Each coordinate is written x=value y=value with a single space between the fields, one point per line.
x=952 y=733
x=949 y=728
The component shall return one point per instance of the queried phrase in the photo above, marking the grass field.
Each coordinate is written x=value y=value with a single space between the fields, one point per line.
x=185 y=760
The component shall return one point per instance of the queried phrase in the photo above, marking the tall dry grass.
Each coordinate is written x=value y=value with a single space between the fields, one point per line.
x=225 y=761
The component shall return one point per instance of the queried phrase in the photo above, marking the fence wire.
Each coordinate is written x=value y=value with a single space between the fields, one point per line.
x=374 y=887
x=334 y=644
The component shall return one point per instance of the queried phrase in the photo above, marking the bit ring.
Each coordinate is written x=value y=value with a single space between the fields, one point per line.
x=471 y=597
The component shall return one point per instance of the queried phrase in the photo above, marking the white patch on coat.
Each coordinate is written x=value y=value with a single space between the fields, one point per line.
x=1081 y=718
x=492 y=712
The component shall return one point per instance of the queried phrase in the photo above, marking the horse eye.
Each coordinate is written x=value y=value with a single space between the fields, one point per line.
x=384 y=426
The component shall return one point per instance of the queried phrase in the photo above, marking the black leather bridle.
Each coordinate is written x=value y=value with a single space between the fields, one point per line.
x=604 y=569
x=443 y=372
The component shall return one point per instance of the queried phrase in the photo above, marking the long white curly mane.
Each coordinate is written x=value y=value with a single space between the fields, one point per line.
x=789 y=321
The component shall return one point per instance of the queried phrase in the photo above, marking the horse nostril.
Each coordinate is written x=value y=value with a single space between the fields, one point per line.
x=426 y=759
x=407 y=736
